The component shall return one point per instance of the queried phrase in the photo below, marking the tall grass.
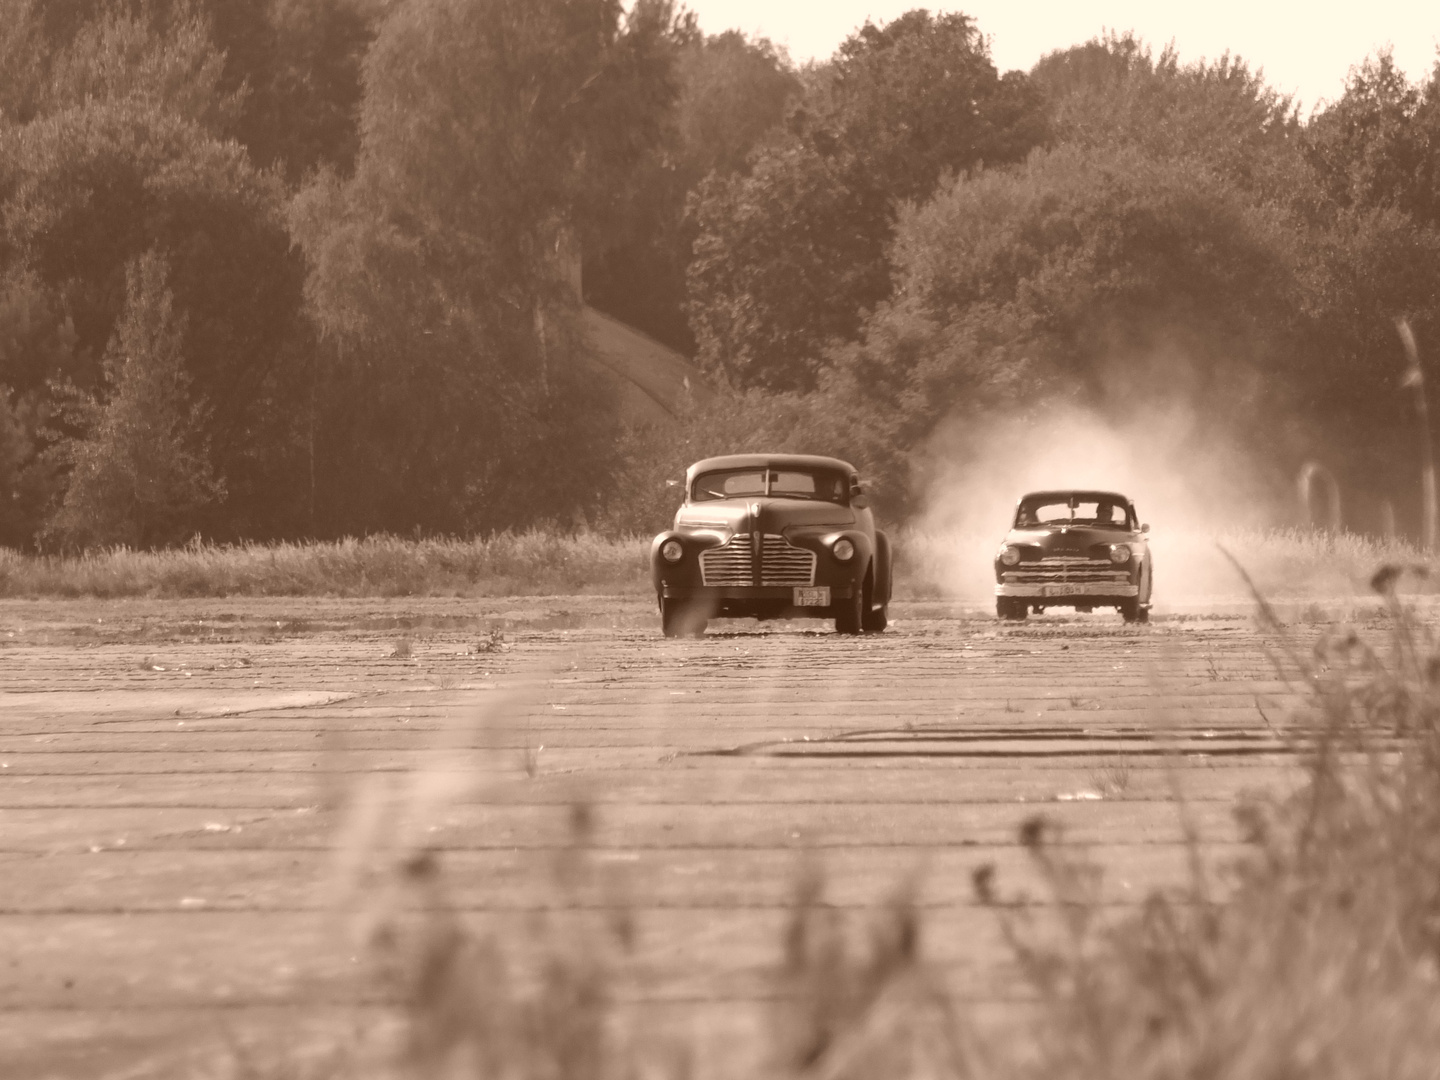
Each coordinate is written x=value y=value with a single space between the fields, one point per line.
x=1286 y=562
x=1316 y=955
x=509 y=564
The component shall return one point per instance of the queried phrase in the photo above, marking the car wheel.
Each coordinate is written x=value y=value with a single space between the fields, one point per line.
x=679 y=619
x=1132 y=611
x=873 y=620
x=850 y=614
x=1009 y=608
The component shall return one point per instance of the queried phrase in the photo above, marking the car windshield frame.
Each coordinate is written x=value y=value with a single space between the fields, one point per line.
x=711 y=486
x=1026 y=517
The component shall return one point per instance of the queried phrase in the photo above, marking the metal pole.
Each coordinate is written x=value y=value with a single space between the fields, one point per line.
x=1415 y=379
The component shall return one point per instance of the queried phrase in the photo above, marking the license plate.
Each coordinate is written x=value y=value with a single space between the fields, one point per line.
x=817 y=596
x=1064 y=590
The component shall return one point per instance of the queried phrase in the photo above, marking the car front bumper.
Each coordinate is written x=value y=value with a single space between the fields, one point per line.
x=1065 y=591
x=763 y=593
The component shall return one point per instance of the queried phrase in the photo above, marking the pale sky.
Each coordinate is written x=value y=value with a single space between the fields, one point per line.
x=1306 y=49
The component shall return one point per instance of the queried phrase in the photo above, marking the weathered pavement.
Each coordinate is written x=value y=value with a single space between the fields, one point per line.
x=189 y=793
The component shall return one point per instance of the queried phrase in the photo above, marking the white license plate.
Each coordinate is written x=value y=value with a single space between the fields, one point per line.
x=1064 y=590
x=817 y=596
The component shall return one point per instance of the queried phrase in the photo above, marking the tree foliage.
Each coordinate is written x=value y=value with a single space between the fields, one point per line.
x=791 y=255
x=491 y=132
x=733 y=95
x=1102 y=276
x=1114 y=91
x=371 y=213
x=140 y=470
x=1379 y=145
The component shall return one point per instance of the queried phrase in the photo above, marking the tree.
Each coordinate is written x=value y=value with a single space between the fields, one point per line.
x=1113 y=91
x=140 y=471
x=733 y=94
x=792 y=254
x=301 y=63
x=124 y=154
x=1101 y=277
x=119 y=55
x=917 y=98
x=23 y=55
x=1379 y=145
x=788 y=257
x=489 y=131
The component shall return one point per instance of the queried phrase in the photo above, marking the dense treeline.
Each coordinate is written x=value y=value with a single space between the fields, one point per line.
x=288 y=268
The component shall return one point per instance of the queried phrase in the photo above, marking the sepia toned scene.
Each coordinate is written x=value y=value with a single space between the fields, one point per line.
x=564 y=540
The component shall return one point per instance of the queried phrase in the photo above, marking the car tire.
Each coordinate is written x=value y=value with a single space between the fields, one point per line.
x=1132 y=611
x=873 y=619
x=679 y=619
x=1009 y=608
x=850 y=613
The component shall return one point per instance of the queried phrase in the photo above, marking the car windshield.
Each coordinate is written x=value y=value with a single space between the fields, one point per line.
x=780 y=483
x=1078 y=509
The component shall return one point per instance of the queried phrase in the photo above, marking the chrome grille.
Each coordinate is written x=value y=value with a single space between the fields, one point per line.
x=729 y=564
x=781 y=563
x=784 y=564
x=1069 y=569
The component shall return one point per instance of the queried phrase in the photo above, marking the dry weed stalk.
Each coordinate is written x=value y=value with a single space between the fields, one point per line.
x=471 y=1000
x=848 y=1014
x=1324 y=958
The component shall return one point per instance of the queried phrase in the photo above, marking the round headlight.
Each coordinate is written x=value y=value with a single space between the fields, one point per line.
x=1010 y=556
x=672 y=551
x=1120 y=553
x=844 y=550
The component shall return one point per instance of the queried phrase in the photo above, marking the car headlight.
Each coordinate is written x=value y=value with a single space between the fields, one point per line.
x=672 y=551
x=843 y=550
x=1010 y=556
x=1119 y=553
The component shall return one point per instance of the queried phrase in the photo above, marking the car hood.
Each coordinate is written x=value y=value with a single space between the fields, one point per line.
x=774 y=515
x=1068 y=539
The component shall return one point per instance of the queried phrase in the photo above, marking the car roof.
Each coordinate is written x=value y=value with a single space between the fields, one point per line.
x=1080 y=494
x=755 y=461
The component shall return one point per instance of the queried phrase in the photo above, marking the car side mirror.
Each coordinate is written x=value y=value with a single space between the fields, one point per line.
x=1145 y=528
x=860 y=502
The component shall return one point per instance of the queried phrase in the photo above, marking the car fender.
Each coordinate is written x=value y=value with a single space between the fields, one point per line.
x=852 y=572
x=694 y=543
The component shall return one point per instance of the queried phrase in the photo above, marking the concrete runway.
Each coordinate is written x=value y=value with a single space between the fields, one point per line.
x=202 y=803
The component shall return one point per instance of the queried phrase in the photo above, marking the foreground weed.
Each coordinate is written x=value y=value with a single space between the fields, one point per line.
x=1324 y=958
x=1316 y=955
x=875 y=1011
x=1112 y=778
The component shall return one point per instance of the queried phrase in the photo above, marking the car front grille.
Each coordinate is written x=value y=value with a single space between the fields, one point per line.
x=781 y=563
x=1067 y=569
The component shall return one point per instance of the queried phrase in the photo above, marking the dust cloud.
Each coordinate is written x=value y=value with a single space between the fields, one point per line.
x=1190 y=487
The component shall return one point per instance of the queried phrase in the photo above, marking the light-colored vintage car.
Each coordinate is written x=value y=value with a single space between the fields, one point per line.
x=772 y=536
x=1080 y=549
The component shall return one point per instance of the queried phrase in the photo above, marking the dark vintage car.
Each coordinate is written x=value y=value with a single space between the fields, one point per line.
x=1080 y=549
x=772 y=536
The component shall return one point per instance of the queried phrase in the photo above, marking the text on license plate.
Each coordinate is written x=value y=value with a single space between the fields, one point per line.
x=815 y=596
x=1064 y=590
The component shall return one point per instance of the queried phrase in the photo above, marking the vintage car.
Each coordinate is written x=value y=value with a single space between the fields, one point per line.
x=1080 y=549
x=772 y=536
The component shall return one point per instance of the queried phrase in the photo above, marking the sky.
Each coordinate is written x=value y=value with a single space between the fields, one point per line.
x=1305 y=49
